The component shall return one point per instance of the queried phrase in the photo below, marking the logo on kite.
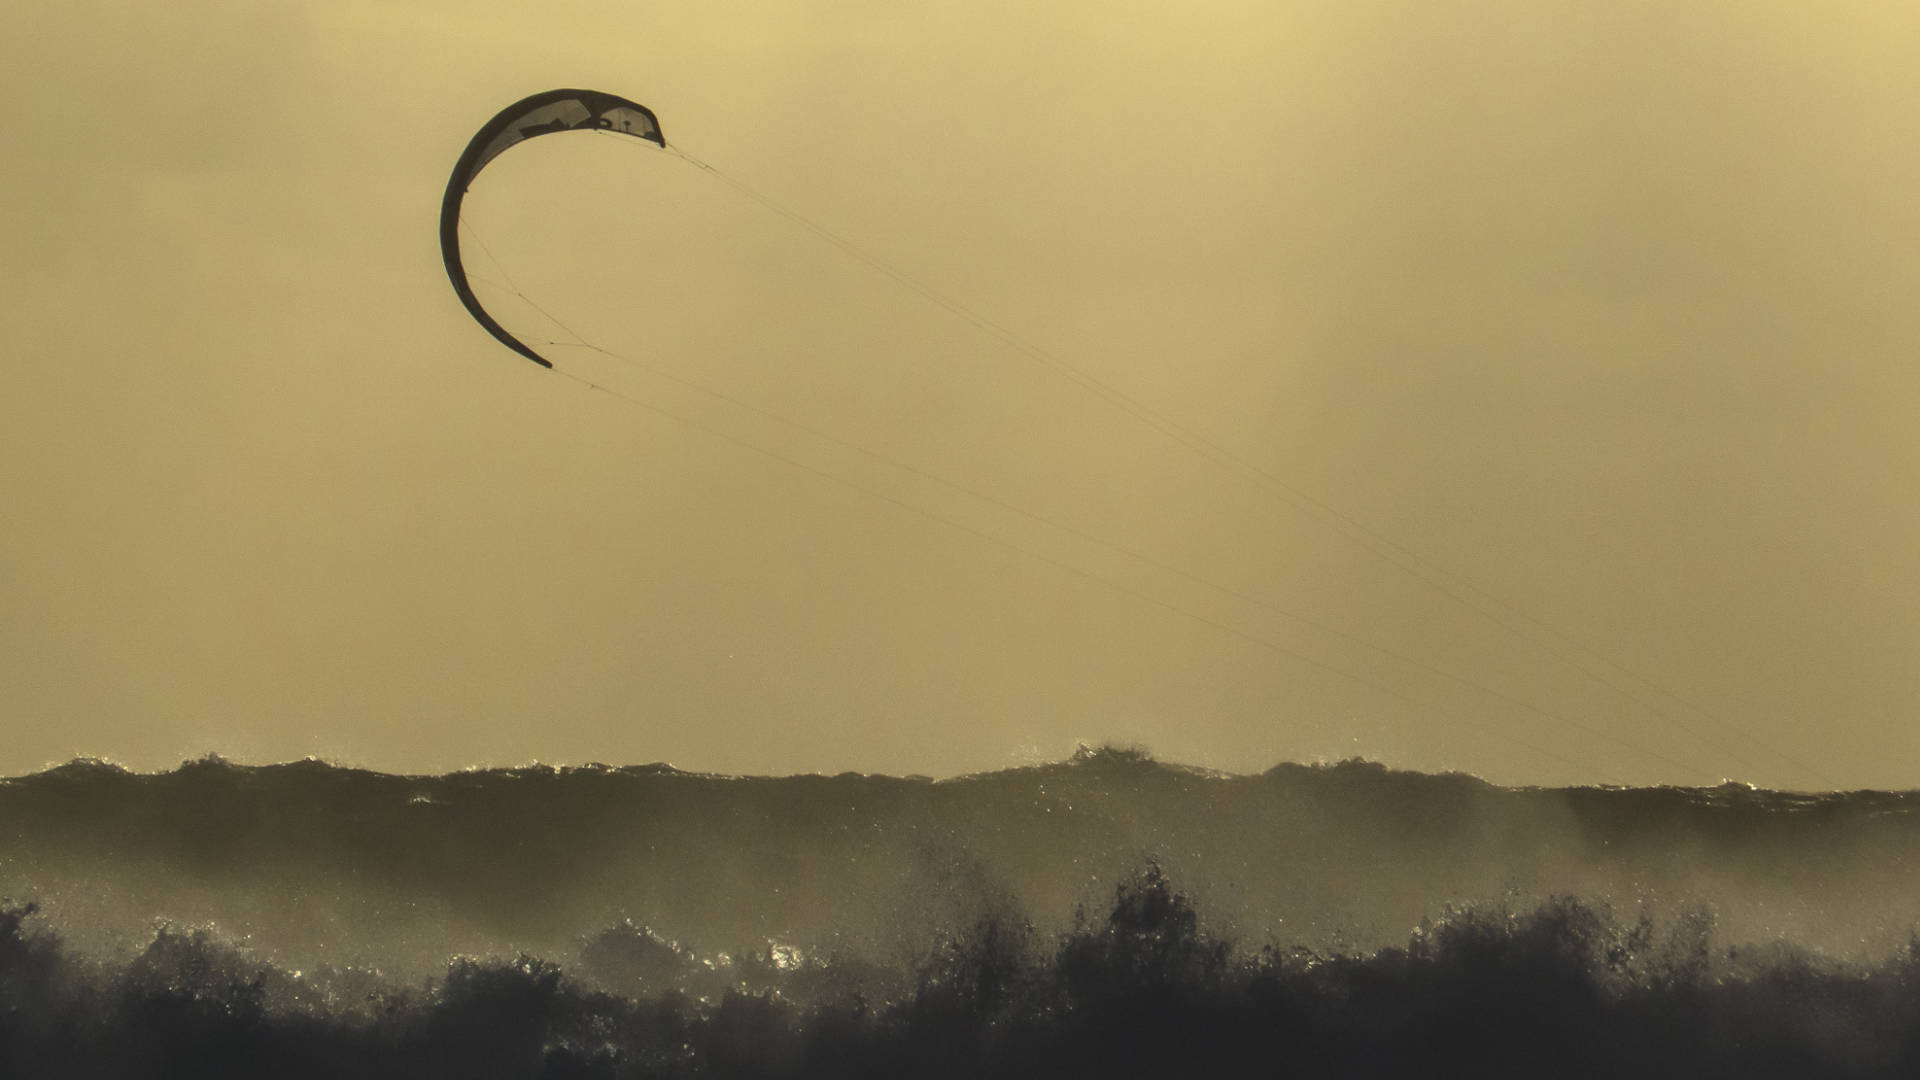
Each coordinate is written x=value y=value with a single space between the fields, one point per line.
x=541 y=114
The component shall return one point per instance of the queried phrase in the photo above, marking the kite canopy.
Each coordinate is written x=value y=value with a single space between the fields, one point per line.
x=541 y=114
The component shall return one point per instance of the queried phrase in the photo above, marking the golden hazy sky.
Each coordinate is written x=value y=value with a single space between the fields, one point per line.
x=1530 y=387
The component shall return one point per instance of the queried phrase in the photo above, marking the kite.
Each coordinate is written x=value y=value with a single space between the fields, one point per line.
x=541 y=114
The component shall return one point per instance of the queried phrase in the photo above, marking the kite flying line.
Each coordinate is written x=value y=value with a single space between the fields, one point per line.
x=564 y=110
x=1455 y=586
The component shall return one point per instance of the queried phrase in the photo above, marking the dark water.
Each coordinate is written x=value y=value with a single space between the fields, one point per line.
x=1107 y=916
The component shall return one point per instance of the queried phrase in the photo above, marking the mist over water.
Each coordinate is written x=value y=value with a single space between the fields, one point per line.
x=1100 y=913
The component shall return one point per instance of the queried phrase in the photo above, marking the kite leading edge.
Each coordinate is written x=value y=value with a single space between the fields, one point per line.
x=541 y=114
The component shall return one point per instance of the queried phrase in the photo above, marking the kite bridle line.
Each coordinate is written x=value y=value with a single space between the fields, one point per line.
x=507 y=284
